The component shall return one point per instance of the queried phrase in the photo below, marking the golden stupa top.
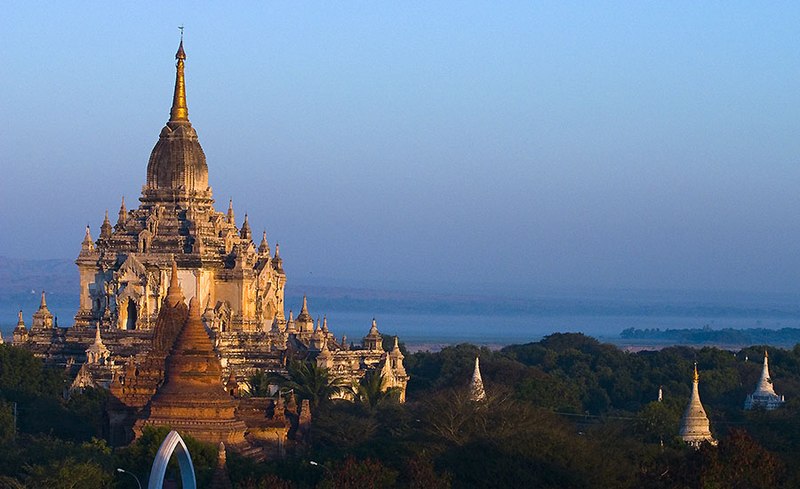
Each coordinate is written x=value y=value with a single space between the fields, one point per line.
x=179 y=111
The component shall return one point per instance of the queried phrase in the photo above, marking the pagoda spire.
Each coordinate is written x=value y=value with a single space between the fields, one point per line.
x=97 y=352
x=764 y=395
x=264 y=246
x=231 y=216
x=277 y=261
x=105 y=228
x=373 y=340
x=476 y=391
x=765 y=382
x=122 y=215
x=174 y=293
x=179 y=111
x=88 y=244
x=373 y=329
x=695 y=426
x=245 y=232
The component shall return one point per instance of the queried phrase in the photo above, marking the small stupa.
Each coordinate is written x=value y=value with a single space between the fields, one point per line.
x=764 y=396
x=695 y=426
x=220 y=478
x=42 y=318
x=97 y=353
x=20 y=334
x=476 y=391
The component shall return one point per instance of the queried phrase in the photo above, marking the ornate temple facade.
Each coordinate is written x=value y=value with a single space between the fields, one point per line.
x=237 y=285
x=695 y=428
x=124 y=274
x=764 y=397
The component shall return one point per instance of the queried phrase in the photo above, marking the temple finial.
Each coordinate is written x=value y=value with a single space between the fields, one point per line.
x=174 y=292
x=231 y=216
x=245 y=232
x=105 y=228
x=696 y=375
x=179 y=111
x=87 y=240
x=264 y=246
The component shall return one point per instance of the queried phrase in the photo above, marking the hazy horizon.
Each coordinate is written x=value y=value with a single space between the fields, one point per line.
x=534 y=147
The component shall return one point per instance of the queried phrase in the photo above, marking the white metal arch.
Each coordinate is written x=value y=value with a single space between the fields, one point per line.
x=171 y=443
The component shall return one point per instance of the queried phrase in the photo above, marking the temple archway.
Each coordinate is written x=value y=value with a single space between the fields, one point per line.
x=131 y=316
x=172 y=443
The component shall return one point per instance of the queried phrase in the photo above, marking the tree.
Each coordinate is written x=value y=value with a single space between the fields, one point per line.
x=369 y=392
x=308 y=381
x=67 y=474
x=355 y=474
x=258 y=384
x=741 y=463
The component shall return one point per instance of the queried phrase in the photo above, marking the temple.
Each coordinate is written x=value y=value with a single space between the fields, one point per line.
x=764 y=396
x=127 y=323
x=695 y=428
x=124 y=274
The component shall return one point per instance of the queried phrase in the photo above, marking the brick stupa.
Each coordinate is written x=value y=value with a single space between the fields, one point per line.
x=192 y=400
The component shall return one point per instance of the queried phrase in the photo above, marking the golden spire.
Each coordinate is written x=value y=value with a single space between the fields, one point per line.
x=179 y=111
x=696 y=375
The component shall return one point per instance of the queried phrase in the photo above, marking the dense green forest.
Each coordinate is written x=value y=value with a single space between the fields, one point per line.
x=563 y=412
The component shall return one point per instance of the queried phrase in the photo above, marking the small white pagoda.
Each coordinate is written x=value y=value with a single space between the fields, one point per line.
x=764 y=396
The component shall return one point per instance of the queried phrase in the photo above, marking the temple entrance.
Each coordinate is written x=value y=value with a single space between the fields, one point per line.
x=130 y=322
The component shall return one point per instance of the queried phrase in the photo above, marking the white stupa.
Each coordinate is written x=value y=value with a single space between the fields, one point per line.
x=764 y=396
x=695 y=427
x=476 y=391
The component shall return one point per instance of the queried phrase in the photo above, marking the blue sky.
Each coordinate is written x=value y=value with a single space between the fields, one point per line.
x=533 y=144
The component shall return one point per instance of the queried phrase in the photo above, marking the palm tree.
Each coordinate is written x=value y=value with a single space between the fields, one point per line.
x=308 y=381
x=258 y=384
x=369 y=393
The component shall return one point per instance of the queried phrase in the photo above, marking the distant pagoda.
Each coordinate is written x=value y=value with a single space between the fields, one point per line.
x=695 y=426
x=764 y=396
x=476 y=391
